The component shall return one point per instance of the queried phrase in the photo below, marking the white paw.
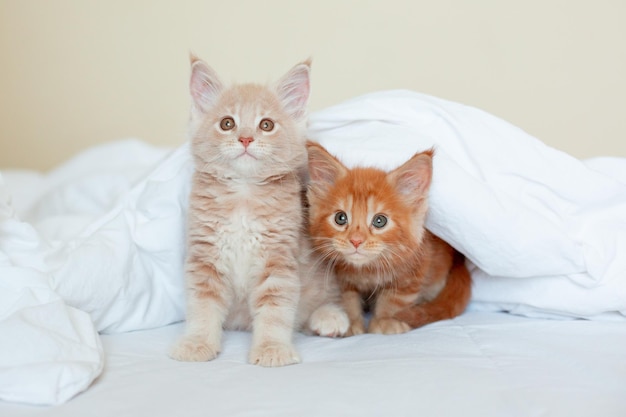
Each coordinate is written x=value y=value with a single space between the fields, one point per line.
x=388 y=326
x=193 y=349
x=329 y=320
x=274 y=354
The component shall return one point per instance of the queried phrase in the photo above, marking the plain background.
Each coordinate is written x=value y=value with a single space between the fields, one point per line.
x=75 y=73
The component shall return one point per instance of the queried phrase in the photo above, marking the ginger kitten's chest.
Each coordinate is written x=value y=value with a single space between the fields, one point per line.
x=423 y=273
x=365 y=280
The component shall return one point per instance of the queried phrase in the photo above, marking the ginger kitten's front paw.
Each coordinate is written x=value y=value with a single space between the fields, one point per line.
x=191 y=349
x=329 y=320
x=274 y=354
x=355 y=329
x=388 y=326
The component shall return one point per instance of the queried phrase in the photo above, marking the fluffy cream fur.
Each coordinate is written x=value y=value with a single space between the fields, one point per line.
x=249 y=265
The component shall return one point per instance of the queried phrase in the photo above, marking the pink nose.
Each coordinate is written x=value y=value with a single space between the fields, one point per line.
x=246 y=141
x=356 y=242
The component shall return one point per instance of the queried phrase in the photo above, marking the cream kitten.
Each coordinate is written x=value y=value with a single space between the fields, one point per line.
x=248 y=264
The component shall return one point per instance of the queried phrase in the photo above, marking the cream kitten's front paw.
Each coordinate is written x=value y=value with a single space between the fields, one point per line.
x=329 y=320
x=274 y=354
x=193 y=349
x=388 y=326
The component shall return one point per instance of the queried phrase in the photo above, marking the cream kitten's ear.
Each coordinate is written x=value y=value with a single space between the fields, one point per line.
x=324 y=169
x=204 y=85
x=293 y=90
x=412 y=179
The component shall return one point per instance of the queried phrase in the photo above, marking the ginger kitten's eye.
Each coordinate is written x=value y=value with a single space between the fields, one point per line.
x=266 y=125
x=227 y=123
x=379 y=221
x=341 y=218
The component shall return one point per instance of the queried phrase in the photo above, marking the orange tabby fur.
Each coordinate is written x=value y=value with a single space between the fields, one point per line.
x=408 y=276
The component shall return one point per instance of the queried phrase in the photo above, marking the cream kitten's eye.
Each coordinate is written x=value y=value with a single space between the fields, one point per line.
x=266 y=125
x=227 y=123
x=379 y=221
x=341 y=218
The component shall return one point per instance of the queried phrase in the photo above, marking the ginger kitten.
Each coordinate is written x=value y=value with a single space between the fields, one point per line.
x=369 y=225
x=248 y=263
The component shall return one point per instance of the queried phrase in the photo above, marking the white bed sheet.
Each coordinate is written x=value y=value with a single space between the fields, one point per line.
x=480 y=364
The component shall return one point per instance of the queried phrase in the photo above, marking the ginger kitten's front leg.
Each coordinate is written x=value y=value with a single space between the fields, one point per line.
x=273 y=305
x=207 y=307
x=388 y=303
x=352 y=304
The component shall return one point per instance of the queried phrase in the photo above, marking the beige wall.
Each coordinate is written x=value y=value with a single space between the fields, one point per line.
x=75 y=73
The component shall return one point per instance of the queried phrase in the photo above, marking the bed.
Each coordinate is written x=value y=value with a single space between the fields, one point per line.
x=91 y=286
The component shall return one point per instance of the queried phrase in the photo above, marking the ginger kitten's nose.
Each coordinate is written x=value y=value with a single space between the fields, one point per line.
x=356 y=241
x=246 y=141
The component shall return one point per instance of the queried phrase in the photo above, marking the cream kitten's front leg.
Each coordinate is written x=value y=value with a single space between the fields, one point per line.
x=273 y=305
x=207 y=307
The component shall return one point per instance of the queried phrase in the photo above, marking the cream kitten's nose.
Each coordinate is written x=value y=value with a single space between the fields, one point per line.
x=246 y=141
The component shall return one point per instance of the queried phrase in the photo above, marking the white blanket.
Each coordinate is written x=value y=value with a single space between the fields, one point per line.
x=514 y=206
x=104 y=234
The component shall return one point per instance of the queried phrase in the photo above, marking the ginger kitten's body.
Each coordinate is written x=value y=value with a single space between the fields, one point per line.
x=248 y=264
x=369 y=225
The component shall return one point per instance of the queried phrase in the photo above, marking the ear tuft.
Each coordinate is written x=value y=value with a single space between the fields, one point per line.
x=193 y=57
x=294 y=88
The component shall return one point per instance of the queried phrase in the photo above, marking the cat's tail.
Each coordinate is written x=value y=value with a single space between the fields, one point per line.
x=449 y=303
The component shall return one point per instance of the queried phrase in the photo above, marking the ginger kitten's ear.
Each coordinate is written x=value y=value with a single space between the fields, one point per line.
x=204 y=85
x=293 y=90
x=412 y=179
x=324 y=169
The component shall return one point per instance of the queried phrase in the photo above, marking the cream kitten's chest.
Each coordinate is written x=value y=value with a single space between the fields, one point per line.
x=239 y=238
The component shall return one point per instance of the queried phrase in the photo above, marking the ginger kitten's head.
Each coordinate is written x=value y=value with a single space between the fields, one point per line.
x=365 y=217
x=248 y=131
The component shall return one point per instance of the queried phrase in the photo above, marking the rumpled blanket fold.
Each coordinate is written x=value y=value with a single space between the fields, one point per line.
x=48 y=350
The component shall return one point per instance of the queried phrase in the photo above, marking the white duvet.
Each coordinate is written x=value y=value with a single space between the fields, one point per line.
x=97 y=245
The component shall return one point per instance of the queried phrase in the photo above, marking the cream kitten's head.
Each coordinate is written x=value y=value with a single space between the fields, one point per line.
x=248 y=131
x=365 y=217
